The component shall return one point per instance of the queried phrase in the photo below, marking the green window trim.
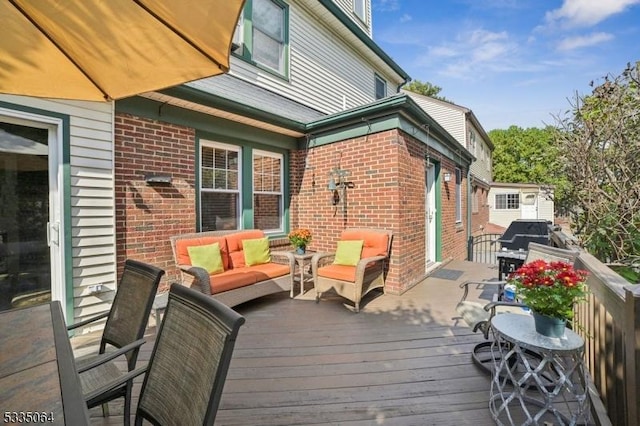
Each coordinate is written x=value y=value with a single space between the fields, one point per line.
x=246 y=155
x=246 y=50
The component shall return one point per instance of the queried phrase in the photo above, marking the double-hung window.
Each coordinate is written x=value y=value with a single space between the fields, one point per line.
x=219 y=186
x=360 y=9
x=508 y=201
x=267 y=191
x=381 y=87
x=458 y=196
x=262 y=32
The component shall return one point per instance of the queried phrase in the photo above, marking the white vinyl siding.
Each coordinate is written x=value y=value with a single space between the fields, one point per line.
x=91 y=197
x=454 y=120
x=503 y=217
x=351 y=7
x=325 y=72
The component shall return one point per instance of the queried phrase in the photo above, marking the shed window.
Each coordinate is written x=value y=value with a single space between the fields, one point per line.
x=508 y=201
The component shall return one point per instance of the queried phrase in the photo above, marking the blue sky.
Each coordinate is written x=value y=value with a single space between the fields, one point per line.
x=513 y=62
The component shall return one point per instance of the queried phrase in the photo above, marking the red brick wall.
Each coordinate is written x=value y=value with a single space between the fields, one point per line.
x=387 y=170
x=146 y=216
x=480 y=219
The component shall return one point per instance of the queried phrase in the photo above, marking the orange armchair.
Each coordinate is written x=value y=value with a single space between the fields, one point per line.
x=353 y=282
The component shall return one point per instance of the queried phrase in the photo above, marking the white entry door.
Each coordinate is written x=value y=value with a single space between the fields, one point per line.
x=430 y=215
x=529 y=205
x=30 y=210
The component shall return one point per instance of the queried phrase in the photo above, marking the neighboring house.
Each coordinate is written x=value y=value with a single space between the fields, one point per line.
x=464 y=126
x=511 y=201
x=309 y=98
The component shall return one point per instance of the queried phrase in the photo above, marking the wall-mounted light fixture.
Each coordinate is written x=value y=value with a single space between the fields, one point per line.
x=155 y=179
x=447 y=176
x=338 y=185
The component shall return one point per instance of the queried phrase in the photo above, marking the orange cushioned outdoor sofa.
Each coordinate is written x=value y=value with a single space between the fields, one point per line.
x=232 y=266
x=358 y=266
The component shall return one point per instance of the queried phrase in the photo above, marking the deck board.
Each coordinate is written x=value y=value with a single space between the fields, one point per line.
x=403 y=360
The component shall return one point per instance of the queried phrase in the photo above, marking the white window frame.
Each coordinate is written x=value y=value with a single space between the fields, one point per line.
x=511 y=201
x=282 y=68
x=280 y=157
x=227 y=147
x=360 y=9
x=458 y=177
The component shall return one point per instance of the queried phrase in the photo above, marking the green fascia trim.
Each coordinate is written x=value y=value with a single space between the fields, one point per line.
x=399 y=111
x=215 y=127
x=438 y=197
x=207 y=99
x=66 y=198
x=364 y=38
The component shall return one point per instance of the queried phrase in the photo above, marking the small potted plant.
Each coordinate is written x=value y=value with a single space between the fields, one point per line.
x=299 y=238
x=550 y=290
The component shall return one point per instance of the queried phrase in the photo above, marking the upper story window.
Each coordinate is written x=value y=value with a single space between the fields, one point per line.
x=262 y=34
x=381 y=87
x=508 y=201
x=360 y=9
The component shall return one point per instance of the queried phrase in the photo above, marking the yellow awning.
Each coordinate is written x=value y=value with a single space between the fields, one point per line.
x=111 y=49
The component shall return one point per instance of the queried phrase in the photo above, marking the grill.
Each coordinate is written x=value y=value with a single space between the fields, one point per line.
x=521 y=232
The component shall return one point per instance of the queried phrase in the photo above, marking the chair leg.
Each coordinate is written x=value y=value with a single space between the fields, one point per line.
x=318 y=297
x=127 y=405
x=357 y=307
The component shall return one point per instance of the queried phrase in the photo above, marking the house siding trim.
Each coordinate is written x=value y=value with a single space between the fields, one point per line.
x=364 y=38
x=212 y=126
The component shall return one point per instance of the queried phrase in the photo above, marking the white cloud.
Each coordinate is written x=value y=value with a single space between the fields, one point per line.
x=473 y=53
x=405 y=18
x=571 y=43
x=386 y=5
x=585 y=13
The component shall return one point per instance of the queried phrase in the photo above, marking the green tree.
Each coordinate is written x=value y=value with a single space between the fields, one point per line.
x=599 y=143
x=528 y=156
x=424 y=88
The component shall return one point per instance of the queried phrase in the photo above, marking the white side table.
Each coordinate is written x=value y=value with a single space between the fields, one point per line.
x=158 y=307
x=302 y=261
x=526 y=390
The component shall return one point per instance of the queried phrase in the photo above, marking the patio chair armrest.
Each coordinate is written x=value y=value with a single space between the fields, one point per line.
x=87 y=321
x=492 y=305
x=283 y=258
x=322 y=259
x=200 y=275
x=121 y=380
x=364 y=262
x=106 y=357
x=465 y=285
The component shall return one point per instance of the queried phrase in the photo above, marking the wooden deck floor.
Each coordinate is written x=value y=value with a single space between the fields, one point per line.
x=403 y=360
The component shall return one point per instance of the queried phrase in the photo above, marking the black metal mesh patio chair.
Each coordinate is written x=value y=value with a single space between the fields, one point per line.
x=478 y=314
x=189 y=363
x=123 y=330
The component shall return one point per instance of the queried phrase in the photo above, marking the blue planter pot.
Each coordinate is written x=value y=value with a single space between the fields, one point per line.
x=549 y=326
x=300 y=250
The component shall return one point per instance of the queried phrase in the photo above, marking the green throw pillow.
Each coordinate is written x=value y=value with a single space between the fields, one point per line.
x=207 y=257
x=348 y=252
x=256 y=252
